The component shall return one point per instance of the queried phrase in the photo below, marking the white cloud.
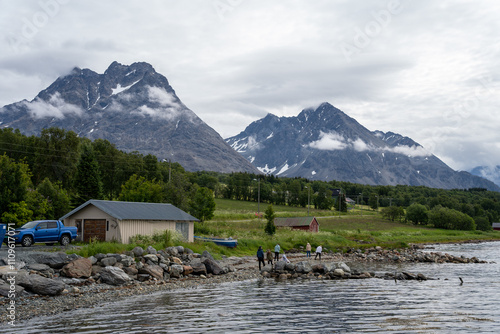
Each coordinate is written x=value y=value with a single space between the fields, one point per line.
x=56 y=107
x=413 y=151
x=329 y=142
x=334 y=141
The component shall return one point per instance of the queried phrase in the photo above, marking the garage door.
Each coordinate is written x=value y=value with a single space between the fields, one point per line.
x=94 y=229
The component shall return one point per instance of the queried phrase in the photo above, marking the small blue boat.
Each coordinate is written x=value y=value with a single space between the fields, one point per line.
x=228 y=242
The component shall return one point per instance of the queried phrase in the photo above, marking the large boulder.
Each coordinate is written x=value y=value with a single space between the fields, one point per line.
x=108 y=261
x=212 y=266
x=320 y=268
x=280 y=266
x=188 y=270
x=198 y=268
x=344 y=267
x=78 y=268
x=42 y=285
x=172 y=251
x=151 y=257
x=114 y=276
x=153 y=270
x=138 y=251
x=303 y=267
x=151 y=250
x=176 y=270
x=54 y=260
x=5 y=289
x=206 y=254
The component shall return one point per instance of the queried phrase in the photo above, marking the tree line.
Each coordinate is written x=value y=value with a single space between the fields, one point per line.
x=48 y=175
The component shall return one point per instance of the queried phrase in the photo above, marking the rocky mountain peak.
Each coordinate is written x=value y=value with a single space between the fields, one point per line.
x=132 y=106
x=324 y=143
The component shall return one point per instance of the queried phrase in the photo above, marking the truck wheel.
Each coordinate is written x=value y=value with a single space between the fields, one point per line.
x=27 y=241
x=65 y=240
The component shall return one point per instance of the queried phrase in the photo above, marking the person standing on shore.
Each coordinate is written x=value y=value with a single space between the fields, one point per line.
x=319 y=249
x=277 y=249
x=260 y=256
x=269 y=255
x=308 y=250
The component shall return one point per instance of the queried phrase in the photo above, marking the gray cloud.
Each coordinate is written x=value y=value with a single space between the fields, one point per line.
x=425 y=69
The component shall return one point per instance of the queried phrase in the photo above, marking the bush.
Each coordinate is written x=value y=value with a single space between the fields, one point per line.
x=483 y=224
x=451 y=219
x=417 y=213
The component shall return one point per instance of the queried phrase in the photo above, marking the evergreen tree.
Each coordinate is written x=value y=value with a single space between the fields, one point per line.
x=270 y=228
x=88 y=178
x=203 y=204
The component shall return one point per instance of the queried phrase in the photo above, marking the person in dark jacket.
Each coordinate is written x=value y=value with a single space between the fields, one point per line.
x=260 y=256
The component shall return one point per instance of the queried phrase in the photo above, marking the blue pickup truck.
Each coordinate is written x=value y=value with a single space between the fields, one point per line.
x=47 y=231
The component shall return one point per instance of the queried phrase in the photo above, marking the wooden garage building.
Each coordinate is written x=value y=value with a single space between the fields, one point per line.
x=300 y=223
x=114 y=220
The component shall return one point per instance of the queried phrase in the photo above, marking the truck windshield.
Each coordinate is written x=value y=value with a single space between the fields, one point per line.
x=30 y=224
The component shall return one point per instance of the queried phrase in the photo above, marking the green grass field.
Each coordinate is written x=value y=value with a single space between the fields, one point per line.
x=355 y=229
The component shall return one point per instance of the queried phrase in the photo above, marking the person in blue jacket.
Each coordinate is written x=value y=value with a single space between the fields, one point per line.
x=260 y=256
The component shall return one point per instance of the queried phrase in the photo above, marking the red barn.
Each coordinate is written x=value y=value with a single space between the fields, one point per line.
x=301 y=223
x=496 y=226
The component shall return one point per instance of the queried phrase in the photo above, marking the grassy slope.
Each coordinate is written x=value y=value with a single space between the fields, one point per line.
x=356 y=229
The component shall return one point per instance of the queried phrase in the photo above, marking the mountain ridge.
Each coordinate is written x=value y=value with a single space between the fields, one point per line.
x=327 y=144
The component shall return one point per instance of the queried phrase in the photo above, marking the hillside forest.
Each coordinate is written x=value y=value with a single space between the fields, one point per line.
x=46 y=176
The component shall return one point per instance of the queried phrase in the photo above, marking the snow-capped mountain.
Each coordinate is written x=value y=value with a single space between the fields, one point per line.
x=324 y=143
x=133 y=107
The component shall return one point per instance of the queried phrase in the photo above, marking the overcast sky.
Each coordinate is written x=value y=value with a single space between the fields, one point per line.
x=424 y=69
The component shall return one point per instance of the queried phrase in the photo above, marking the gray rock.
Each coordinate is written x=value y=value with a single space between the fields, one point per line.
x=172 y=251
x=198 y=268
x=151 y=257
x=290 y=266
x=151 y=250
x=338 y=272
x=343 y=266
x=5 y=289
x=212 y=266
x=53 y=260
x=280 y=266
x=303 y=267
x=114 y=276
x=108 y=261
x=180 y=249
x=38 y=267
x=176 y=270
x=138 y=251
x=206 y=254
x=100 y=256
x=93 y=260
x=131 y=271
x=127 y=261
x=42 y=285
x=188 y=251
x=153 y=270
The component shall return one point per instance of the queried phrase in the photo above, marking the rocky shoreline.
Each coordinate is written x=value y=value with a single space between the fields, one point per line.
x=50 y=283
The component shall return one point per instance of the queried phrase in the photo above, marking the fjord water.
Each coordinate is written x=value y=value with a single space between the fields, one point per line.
x=372 y=305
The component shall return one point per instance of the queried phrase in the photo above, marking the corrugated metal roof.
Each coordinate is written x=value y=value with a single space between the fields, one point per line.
x=137 y=210
x=298 y=221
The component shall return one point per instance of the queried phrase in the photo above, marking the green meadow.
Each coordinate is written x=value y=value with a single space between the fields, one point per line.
x=359 y=228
